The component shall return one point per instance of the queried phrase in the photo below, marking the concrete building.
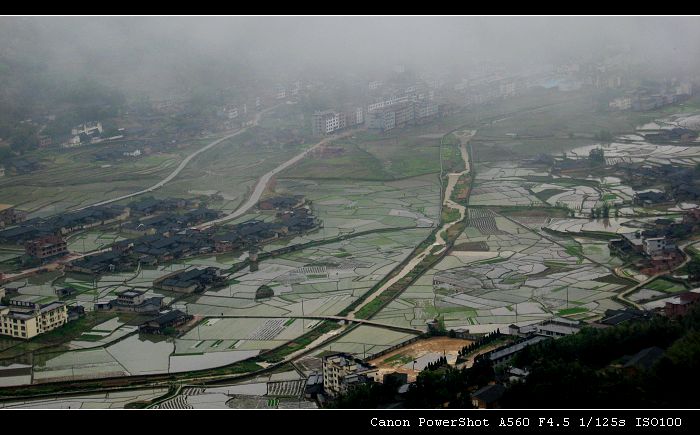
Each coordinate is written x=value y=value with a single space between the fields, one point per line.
x=381 y=119
x=20 y=319
x=425 y=109
x=46 y=247
x=342 y=372
x=88 y=128
x=404 y=114
x=326 y=122
x=655 y=245
x=9 y=215
x=620 y=103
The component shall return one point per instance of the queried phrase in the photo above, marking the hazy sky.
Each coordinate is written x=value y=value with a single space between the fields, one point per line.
x=167 y=49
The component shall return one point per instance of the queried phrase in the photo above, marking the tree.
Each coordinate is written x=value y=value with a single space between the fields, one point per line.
x=264 y=292
x=597 y=155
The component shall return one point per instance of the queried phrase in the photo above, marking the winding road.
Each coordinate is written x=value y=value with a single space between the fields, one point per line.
x=182 y=164
x=264 y=180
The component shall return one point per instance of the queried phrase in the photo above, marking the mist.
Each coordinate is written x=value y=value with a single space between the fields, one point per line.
x=159 y=54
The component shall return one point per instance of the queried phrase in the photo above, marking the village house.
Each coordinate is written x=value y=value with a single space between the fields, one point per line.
x=488 y=396
x=642 y=360
x=133 y=301
x=680 y=304
x=65 y=223
x=9 y=215
x=22 y=319
x=555 y=327
x=46 y=247
x=342 y=372
x=649 y=198
x=160 y=324
x=189 y=281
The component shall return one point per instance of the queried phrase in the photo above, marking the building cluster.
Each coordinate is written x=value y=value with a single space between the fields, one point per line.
x=682 y=183
x=656 y=245
x=23 y=319
x=650 y=99
x=168 y=236
x=168 y=223
x=63 y=224
x=329 y=121
x=89 y=132
x=658 y=253
x=401 y=114
x=490 y=88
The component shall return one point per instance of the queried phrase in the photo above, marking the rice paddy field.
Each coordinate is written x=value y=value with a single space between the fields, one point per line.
x=501 y=272
x=521 y=257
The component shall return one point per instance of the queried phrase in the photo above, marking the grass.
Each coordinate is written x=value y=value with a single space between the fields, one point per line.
x=355 y=163
x=665 y=286
x=570 y=311
x=398 y=359
x=545 y=194
x=90 y=337
x=449 y=214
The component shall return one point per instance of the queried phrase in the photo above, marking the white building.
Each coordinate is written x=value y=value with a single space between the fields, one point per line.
x=655 y=245
x=359 y=115
x=74 y=141
x=621 y=103
x=325 y=122
x=89 y=128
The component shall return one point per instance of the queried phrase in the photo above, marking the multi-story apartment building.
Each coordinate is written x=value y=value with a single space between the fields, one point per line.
x=621 y=103
x=326 y=122
x=403 y=113
x=341 y=372
x=425 y=109
x=383 y=119
x=46 y=247
x=359 y=116
x=21 y=319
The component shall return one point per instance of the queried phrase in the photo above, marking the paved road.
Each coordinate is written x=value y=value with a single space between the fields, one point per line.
x=182 y=164
x=263 y=181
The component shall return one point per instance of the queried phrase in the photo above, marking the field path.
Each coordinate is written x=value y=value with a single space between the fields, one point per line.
x=452 y=178
x=439 y=241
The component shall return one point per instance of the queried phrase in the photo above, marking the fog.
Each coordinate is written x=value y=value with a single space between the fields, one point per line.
x=159 y=54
